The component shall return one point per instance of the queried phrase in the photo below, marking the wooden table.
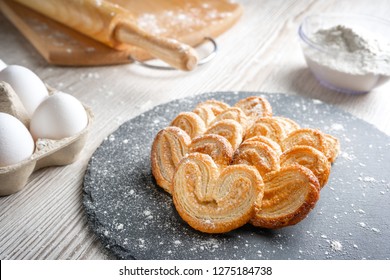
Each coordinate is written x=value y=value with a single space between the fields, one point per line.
x=261 y=53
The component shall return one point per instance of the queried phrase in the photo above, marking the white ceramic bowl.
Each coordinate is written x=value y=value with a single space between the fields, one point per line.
x=339 y=80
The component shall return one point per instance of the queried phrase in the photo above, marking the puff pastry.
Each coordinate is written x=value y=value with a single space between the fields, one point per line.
x=216 y=146
x=205 y=113
x=259 y=155
x=329 y=146
x=309 y=157
x=232 y=113
x=190 y=123
x=262 y=139
x=216 y=106
x=172 y=144
x=288 y=124
x=230 y=129
x=269 y=127
x=289 y=195
x=169 y=147
x=333 y=147
x=255 y=107
x=211 y=201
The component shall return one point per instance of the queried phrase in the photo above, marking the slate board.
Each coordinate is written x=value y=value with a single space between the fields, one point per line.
x=135 y=219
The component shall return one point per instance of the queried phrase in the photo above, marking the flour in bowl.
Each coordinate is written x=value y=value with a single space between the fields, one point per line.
x=351 y=59
x=352 y=50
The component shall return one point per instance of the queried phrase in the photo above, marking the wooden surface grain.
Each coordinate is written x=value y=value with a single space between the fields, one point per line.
x=260 y=53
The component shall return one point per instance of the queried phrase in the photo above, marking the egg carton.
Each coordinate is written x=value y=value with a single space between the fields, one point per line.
x=13 y=178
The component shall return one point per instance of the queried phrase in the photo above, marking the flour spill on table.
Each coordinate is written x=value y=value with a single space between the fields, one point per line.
x=189 y=18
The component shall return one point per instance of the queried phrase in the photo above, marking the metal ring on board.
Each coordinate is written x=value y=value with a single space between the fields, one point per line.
x=204 y=60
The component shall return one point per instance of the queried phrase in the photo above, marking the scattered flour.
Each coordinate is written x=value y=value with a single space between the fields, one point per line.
x=347 y=156
x=147 y=212
x=361 y=211
x=337 y=126
x=369 y=179
x=336 y=245
x=141 y=243
x=375 y=230
x=362 y=224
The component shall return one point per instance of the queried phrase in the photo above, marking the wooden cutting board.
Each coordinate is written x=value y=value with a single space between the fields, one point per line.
x=187 y=21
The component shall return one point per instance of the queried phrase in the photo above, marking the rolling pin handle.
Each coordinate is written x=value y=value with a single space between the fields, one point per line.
x=202 y=61
x=171 y=51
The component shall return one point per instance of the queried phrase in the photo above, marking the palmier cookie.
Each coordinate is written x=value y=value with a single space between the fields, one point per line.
x=259 y=155
x=255 y=107
x=268 y=141
x=308 y=157
x=169 y=146
x=232 y=113
x=172 y=144
x=212 y=201
x=216 y=146
x=190 y=123
x=205 y=113
x=288 y=124
x=326 y=144
x=217 y=107
x=289 y=195
x=269 y=127
x=333 y=146
x=229 y=129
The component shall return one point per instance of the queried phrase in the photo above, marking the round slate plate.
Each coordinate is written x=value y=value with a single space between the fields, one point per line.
x=135 y=219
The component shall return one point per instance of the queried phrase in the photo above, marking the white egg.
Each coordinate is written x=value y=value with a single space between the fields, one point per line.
x=16 y=143
x=58 y=116
x=2 y=65
x=27 y=85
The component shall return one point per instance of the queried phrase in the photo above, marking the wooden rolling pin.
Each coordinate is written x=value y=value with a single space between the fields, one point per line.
x=114 y=26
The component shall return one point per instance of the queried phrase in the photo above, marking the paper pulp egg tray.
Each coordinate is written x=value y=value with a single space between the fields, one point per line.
x=13 y=178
